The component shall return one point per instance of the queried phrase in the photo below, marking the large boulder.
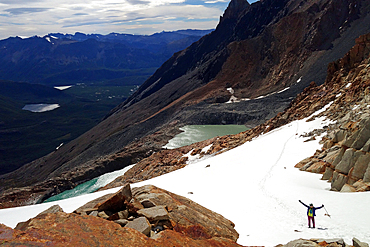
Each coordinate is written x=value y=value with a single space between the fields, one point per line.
x=366 y=147
x=358 y=243
x=339 y=135
x=117 y=202
x=335 y=242
x=361 y=186
x=348 y=188
x=360 y=167
x=302 y=165
x=328 y=174
x=367 y=175
x=338 y=181
x=124 y=214
x=90 y=206
x=300 y=242
x=318 y=167
x=154 y=213
x=52 y=209
x=332 y=154
x=348 y=161
x=163 y=210
x=350 y=139
x=140 y=224
x=363 y=135
x=187 y=216
x=338 y=157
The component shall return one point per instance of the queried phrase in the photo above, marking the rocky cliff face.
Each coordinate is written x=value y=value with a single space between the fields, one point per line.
x=344 y=159
x=256 y=50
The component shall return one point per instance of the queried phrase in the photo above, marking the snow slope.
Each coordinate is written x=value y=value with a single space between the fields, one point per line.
x=257 y=187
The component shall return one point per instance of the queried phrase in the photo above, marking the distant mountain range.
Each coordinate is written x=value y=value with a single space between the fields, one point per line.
x=65 y=59
x=106 y=68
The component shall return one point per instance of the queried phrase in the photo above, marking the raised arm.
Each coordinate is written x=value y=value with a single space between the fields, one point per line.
x=303 y=204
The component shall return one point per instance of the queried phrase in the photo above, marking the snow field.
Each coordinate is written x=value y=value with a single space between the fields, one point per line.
x=257 y=187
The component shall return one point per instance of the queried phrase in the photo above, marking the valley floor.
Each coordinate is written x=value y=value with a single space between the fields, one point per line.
x=257 y=187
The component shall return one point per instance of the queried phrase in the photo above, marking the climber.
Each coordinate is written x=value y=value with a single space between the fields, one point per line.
x=311 y=213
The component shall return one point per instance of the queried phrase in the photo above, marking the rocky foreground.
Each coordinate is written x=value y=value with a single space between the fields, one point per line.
x=145 y=216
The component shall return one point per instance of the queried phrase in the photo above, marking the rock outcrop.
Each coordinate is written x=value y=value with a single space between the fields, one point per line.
x=337 y=242
x=146 y=216
x=62 y=229
x=345 y=159
x=149 y=209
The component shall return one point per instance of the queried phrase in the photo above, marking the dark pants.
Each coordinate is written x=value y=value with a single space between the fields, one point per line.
x=311 y=218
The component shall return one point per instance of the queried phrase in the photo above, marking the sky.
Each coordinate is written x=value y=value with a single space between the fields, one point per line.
x=26 y=18
x=256 y=191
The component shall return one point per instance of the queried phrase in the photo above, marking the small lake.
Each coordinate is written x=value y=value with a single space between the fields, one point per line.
x=61 y=88
x=90 y=186
x=191 y=134
x=40 y=107
x=197 y=133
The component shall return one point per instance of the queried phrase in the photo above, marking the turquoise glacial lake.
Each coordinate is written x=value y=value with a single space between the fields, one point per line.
x=197 y=133
x=191 y=134
x=89 y=186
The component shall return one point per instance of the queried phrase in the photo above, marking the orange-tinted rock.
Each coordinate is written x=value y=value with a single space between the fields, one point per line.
x=90 y=206
x=187 y=216
x=62 y=229
x=172 y=212
x=303 y=163
x=12 y=237
x=118 y=201
x=318 y=167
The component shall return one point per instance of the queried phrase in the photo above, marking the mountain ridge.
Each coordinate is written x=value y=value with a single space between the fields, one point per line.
x=62 y=58
x=94 y=65
x=346 y=87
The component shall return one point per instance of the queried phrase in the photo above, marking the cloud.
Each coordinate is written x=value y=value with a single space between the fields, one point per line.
x=19 y=11
x=86 y=23
x=81 y=14
x=19 y=1
x=150 y=16
x=96 y=16
x=138 y=2
x=214 y=1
